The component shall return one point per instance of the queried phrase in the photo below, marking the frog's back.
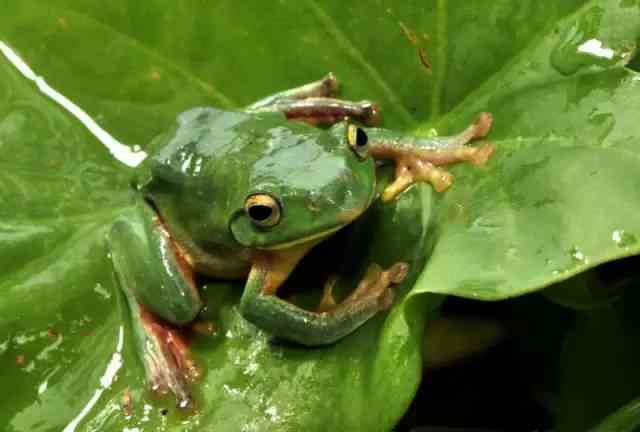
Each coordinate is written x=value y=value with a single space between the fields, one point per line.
x=201 y=136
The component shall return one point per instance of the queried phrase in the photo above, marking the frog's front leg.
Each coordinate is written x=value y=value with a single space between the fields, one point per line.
x=417 y=159
x=328 y=324
x=313 y=104
x=160 y=290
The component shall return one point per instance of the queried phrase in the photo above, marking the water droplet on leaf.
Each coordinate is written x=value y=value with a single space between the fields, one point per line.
x=578 y=256
x=579 y=46
x=623 y=239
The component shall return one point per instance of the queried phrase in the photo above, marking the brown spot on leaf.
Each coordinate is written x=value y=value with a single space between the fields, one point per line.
x=418 y=44
x=126 y=403
x=62 y=22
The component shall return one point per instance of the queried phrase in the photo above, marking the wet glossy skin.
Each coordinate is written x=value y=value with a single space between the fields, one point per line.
x=199 y=175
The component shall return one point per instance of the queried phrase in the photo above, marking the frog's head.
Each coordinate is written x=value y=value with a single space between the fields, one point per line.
x=306 y=185
x=257 y=180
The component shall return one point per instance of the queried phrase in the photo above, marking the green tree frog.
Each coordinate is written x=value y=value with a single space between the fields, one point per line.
x=245 y=195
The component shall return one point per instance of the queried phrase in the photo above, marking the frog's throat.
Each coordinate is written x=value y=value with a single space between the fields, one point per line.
x=272 y=267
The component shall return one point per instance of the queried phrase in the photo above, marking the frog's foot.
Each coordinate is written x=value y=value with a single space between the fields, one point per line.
x=167 y=358
x=418 y=160
x=312 y=103
x=328 y=302
x=374 y=291
x=375 y=288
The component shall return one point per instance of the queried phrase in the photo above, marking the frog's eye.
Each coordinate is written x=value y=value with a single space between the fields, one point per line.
x=263 y=210
x=357 y=139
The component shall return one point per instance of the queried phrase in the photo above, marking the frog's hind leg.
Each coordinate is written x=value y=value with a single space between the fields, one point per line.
x=162 y=297
x=418 y=159
x=313 y=104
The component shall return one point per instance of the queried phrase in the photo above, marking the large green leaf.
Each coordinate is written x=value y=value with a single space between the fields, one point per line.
x=559 y=196
x=562 y=193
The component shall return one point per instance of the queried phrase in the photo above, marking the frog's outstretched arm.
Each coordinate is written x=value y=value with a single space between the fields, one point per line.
x=417 y=159
x=150 y=271
x=331 y=322
x=312 y=104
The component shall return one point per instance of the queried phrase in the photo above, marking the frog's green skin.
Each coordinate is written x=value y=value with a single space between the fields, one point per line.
x=192 y=218
x=200 y=175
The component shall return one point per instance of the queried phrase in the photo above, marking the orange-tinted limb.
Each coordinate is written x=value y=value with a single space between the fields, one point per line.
x=418 y=159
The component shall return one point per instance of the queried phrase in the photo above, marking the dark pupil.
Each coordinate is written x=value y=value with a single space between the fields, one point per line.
x=361 y=138
x=260 y=212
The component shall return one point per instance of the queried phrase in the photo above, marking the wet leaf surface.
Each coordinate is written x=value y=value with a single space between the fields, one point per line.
x=559 y=197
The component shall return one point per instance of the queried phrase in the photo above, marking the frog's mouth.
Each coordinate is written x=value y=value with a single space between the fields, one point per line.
x=313 y=240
